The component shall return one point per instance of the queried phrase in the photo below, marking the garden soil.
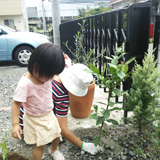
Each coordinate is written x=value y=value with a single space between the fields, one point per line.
x=117 y=142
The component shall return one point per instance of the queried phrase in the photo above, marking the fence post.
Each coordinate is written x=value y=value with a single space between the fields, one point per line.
x=67 y=33
x=137 y=37
x=156 y=35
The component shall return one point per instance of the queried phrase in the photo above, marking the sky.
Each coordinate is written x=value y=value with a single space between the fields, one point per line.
x=67 y=7
x=32 y=3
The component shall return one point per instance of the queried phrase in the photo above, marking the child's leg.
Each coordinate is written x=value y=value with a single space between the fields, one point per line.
x=38 y=152
x=56 y=155
x=55 y=143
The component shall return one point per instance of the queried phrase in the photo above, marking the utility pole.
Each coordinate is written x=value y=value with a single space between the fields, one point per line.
x=56 y=21
x=43 y=16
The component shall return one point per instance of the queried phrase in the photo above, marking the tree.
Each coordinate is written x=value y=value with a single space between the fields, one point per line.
x=89 y=12
x=143 y=95
x=118 y=72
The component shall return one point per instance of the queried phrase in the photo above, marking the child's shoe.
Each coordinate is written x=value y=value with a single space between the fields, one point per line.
x=57 y=155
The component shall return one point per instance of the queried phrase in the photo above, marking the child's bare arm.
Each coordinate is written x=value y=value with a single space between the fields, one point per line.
x=16 y=130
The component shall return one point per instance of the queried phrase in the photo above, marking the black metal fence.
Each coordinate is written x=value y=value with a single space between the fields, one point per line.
x=128 y=27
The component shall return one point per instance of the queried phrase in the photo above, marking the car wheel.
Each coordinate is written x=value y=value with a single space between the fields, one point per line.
x=22 y=55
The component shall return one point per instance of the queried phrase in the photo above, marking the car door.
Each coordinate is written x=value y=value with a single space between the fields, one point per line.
x=3 y=46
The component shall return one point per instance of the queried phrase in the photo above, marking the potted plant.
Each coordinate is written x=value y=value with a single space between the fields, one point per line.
x=80 y=106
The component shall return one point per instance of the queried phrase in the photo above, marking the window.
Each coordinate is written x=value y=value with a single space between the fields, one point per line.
x=9 y=22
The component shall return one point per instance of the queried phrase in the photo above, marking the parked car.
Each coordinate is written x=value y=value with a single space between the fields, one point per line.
x=18 y=46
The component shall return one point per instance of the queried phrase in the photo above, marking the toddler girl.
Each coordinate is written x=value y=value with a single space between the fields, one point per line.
x=34 y=92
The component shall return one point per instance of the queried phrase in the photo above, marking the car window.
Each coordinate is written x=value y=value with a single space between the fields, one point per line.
x=2 y=32
x=7 y=29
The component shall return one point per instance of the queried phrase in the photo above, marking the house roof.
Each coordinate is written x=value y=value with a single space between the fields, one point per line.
x=82 y=1
x=114 y=1
x=34 y=3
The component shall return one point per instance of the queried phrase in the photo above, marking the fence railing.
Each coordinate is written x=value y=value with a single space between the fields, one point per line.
x=128 y=27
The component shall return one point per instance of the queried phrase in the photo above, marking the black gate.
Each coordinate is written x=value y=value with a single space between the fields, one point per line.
x=128 y=27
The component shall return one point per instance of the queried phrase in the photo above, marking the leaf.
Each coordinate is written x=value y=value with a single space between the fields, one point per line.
x=4 y=156
x=104 y=69
x=94 y=68
x=116 y=109
x=2 y=146
x=125 y=68
x=109 y=58
x=100 y=77
x=101 y=103
x=111 y=69
x=119 y=50
x=103 y=110
x=126 y=93
x=122 y=55
x=93 y=116
x=96 y=141
x=101 y=84
x=103 y=131
x=111 y=104
x=106 y=114
x=100 y=120
x=130 y=60
x=121 y=74
x=114 y=122
x=117 y=92
x=112 y=65
x=95 y=107
x=115 y=60
x=120 y=66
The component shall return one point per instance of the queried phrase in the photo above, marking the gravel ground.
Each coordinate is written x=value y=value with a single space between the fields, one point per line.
x=117 y=143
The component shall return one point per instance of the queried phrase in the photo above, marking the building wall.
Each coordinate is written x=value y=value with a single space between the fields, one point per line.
x=13 y=14
x=10 y=7
x=18 y=22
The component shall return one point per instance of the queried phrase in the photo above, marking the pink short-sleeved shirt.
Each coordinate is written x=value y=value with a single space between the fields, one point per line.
x=36 y=99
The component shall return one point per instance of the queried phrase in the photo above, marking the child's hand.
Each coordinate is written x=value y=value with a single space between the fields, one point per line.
x=91 y=148
x=16 y=131
x=67 y=60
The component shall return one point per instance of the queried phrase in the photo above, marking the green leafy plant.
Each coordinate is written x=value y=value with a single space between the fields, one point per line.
x=143 y=100
x=157 y=123
x=155 y=134
x=143 y=95
x=80 y=53
x=117 y=72
x=3 y=145
x=139 y=151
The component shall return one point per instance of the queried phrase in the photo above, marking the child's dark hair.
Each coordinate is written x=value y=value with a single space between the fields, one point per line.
x=47 y=60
